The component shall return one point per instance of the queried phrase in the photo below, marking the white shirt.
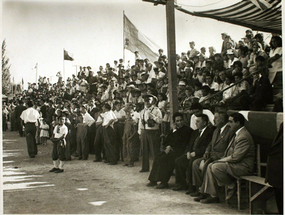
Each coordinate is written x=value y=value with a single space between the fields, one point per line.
x=202 y=131
x=223 y=128
x=119 y=114
x=145 y=115
x=88 y=119
x=63 y=130
x=106 y=117
x=30 y=115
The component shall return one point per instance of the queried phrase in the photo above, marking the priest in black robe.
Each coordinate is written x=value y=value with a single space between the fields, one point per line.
x=174 y=146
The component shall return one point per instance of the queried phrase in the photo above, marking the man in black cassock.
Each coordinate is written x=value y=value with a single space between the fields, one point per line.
x=174 y=146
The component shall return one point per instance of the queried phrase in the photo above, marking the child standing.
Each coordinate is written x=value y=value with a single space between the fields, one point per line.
x=44 y=133
x=58 y=152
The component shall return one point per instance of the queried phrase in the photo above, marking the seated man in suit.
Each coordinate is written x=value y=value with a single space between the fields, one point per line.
x=198 y=143
x=215 y=150
x=174 y=146
x=237 y=161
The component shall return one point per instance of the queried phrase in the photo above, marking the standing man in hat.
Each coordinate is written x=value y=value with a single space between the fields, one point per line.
x=30 y=117
x=150 y=118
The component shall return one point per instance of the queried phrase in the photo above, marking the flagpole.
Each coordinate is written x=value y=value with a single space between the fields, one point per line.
x=37 y=73
x=124 y=37
x=63 y=71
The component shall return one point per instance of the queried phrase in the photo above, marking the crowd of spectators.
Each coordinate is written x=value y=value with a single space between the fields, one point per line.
x=103 y=112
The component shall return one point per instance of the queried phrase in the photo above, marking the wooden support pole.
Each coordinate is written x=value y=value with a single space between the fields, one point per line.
x=171 y=51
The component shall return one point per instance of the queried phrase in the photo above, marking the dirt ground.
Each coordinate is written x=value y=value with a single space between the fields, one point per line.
x=86 y=187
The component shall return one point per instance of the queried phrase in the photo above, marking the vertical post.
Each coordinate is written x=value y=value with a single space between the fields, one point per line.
x=63 y=71
x=124 y=42
x=171 y=51
x=37 y=74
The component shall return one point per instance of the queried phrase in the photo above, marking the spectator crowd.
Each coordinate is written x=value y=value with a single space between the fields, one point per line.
x=122 y=113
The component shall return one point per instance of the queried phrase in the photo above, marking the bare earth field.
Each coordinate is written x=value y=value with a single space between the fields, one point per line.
x=86 y=187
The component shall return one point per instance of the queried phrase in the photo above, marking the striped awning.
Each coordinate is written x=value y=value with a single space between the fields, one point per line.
x=247 y=13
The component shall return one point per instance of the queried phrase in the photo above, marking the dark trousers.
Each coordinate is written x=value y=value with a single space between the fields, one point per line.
x=20 y=128
x=91 y=134
x=72 y=136
x=119 y=132
x=30 y=130
x=58 y=150
x=109 y=140
x=183 y=170
x=68 y=144
x=150 y=144
x=131 y=142
x=82 y=140
x=98 y=143
x=163 y=166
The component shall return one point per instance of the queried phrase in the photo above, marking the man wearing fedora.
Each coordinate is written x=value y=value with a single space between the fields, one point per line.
x=150 y=118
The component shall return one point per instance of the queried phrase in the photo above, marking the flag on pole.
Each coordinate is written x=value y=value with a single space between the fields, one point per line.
x=67 y=55
x=36 y=66
x=134 y=41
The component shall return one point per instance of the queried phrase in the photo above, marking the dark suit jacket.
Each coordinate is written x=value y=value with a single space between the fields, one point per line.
x=179 y=139
x=219 y=142
x=274 y=169
x=240 y=153
x=202 y=143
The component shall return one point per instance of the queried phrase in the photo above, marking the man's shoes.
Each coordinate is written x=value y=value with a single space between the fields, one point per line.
x=151 y=184
x=80 y=158
x=97 y=160
x=32 y=156
x=125 y=164
x=54 y=169
x=195 y=194
x=75 y=154
x=112 y=163
x=210 y=199
x=105 y=161
x=230 y=193
x=144 y=170
x=131 y=165
x=179 y=187
x=162 y=186
x=85 y=159
x=59 y=171
x=200 y=197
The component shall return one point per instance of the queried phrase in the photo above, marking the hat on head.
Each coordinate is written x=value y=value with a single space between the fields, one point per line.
x=148 y=95
x=192 y=42
x=181 y=83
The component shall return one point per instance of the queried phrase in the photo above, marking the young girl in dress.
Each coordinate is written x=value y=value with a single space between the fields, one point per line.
x=44 y=133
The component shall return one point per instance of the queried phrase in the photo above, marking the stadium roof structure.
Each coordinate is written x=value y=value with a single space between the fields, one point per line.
x=259 y=15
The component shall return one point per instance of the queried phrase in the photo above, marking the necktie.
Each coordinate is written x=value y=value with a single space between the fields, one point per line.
x=230 y=144
x=196 y=141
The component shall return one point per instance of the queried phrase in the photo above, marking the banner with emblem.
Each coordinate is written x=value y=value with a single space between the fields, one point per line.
x=135 y=41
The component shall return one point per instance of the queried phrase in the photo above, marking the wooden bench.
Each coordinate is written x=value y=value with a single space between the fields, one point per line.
x=252 y=181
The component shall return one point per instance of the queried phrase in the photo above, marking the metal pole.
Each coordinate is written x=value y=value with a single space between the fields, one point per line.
x=171 y=51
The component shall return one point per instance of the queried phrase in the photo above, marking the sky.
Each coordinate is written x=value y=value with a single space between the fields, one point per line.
x=36 y=32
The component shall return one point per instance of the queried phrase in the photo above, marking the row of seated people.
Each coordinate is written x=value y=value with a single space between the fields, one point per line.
x=205 y=158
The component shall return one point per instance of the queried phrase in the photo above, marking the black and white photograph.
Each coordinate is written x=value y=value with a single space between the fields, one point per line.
x=142 y=107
